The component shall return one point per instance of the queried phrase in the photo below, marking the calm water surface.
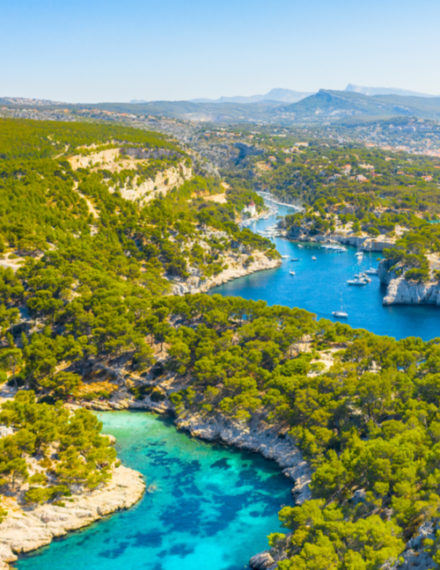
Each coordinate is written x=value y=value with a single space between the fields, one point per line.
x=320 y=287
x=212 y=509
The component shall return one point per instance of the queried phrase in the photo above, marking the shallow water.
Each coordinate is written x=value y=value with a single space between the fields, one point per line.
x=320 y=287
x=212 y=508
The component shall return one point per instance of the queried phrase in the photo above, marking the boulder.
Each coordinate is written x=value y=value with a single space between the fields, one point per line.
x=261 y=561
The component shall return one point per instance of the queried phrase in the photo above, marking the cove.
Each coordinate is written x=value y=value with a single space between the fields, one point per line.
x=319 y=286
x=212 y=506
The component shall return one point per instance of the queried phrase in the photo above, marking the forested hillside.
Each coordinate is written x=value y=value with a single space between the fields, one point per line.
x=86 y=318
x=80 y=266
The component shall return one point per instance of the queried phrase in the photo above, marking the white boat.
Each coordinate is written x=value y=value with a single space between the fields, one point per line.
x=364 y=276
x=372 y=271
x=357 y=282
x=285 y=256
x=313 y=258
x=292 y=272
x=340 y=314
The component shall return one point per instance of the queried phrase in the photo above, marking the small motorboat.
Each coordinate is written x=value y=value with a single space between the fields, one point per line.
x=292 y=272
x=294 y=259
x=313 y=258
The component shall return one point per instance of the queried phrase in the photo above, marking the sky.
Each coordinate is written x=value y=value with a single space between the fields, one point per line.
x=119 y=50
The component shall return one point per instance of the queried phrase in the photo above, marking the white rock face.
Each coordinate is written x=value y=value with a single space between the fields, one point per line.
x=164 y=181
x=23 y=531
x=403 y=292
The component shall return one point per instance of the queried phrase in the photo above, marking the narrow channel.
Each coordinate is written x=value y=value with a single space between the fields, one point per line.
x=320 y=286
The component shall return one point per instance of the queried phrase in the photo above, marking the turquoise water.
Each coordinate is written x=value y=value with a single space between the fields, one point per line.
x=320 y=287
x=213 y=507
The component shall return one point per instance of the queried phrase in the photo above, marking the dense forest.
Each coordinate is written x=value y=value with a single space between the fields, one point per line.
x=85 y=313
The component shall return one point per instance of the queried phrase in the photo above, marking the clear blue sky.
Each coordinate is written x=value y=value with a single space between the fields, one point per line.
x=117 y=50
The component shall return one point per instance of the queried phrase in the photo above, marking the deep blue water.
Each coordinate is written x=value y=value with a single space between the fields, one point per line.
x=212 y=508
x=320 y=287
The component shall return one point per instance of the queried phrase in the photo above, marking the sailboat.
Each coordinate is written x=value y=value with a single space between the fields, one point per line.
x=341 y=314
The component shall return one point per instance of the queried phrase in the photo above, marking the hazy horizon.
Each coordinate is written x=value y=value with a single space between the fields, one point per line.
x=201 y=98
x=107 y=51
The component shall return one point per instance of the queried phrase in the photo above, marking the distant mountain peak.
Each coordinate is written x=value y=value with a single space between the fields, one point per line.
x=384 y=91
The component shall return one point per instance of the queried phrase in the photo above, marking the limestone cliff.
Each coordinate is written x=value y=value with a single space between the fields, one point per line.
x=163 y=182
x=401 y=291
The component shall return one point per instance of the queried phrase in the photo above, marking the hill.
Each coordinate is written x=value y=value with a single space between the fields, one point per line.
x=332 y=106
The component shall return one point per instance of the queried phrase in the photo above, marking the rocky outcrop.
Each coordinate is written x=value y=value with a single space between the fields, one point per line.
x=415 y=556
x=237 y=267
x=24 y=530
x=262 y=561
x=401 y=291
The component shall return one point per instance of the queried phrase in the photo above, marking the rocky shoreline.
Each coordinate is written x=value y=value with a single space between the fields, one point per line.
x=265 y=441
x=256 y=436
x=25 y=530
x=237 y=267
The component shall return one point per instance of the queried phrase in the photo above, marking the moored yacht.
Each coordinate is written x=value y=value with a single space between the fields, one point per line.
x=340 y=314
x=357 y=281
x=371 y=271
